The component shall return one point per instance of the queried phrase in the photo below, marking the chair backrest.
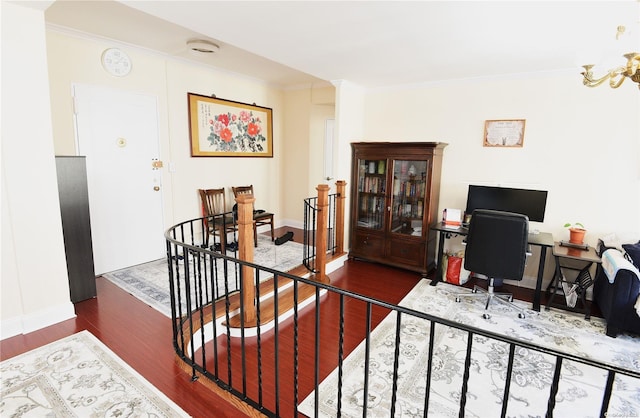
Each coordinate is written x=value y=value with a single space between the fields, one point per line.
x=497 y=244
x=213 y=201
x=239 y=190
x=242 y=190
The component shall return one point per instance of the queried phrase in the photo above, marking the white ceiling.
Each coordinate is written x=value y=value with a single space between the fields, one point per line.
x=370 y=43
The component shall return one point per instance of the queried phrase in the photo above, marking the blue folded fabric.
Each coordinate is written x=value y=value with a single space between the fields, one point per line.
x=613 y=260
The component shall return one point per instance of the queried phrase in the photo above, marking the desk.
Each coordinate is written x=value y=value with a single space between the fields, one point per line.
x=542 y=239
x=583 y=280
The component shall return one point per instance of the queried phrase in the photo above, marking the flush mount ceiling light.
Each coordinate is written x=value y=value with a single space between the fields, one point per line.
x=203 y=47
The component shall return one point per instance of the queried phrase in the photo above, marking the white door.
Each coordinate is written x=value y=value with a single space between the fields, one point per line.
x=118 y=133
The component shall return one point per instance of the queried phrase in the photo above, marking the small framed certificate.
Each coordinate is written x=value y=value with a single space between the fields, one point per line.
x=504 y=133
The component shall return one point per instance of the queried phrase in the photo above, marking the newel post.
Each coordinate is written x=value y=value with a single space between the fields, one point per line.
x=321 y=231
x=341 y=186
x=245 y=249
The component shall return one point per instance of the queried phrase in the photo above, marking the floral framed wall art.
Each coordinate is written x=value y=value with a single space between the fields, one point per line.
x=224 y=128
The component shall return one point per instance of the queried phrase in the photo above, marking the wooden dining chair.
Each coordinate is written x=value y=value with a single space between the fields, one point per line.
x=218 y=221
x=260 y=217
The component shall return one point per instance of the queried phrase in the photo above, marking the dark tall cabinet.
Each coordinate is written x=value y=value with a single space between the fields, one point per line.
x=394 y=202
x=76 y=226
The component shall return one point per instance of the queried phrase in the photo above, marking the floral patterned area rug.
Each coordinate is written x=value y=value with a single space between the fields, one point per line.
x=149 y=282
x=581 y=387
x=78 y=376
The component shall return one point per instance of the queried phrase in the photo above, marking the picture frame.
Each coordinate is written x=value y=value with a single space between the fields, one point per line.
x=225 y=128
x=504 y=133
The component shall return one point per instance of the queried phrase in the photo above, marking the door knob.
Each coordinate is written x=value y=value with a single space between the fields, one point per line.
x=156 y=188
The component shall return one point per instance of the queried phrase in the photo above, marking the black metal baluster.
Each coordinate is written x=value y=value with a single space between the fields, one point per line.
x=396 y=356
x=276 y=337
x=607 y=393
x=432 y=334
x=243 y=353
x=259 y=338
x=367 y=352
x=295 y=348
x=465 y=376
x=340 y=354
x=507 y=382
x=554 y=388
x=316 y=368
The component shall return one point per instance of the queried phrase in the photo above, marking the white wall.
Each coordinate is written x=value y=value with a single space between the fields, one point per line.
x=35 y=288
x=295 y=176
x=74 y=58
x=36 y=127
x=206 y=172
x=580 y=144
x=306 y=111
x=350 y=105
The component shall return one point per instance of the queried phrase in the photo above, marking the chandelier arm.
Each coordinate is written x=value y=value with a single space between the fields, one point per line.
x=589 y=81
x=616 y=76
x=615 y=83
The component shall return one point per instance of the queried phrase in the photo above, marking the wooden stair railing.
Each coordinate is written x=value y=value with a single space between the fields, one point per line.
x=341 y=186
x=245 y=249
x=246 y=252
x=322 y=233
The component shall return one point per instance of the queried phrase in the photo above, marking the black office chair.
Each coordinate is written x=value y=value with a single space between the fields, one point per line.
x=497 y=247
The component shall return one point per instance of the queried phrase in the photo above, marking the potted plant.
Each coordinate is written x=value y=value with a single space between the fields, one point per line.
x=576 y=232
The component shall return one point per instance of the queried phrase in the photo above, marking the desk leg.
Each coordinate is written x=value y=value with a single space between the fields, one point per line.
x=438 y=277
x=552 y=289
x=536 y=295
x=587 y=308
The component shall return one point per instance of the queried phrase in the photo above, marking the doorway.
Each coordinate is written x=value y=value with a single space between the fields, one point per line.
x=329 y=130
x=117 y=131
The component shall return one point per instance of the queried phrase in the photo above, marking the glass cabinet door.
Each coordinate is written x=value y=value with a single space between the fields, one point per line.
x=409 y=188
x=372 y=179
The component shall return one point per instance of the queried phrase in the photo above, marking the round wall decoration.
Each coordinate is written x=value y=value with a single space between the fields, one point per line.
x=116 y=62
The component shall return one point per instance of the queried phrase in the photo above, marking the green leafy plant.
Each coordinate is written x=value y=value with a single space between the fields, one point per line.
x=574 y=225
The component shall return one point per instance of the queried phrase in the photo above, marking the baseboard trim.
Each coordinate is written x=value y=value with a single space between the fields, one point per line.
x=37 y=320
x=291 y=223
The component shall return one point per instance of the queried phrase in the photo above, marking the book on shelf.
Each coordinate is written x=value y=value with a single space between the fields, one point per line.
x=373 y=185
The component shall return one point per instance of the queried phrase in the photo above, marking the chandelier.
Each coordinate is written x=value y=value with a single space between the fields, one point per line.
x=617 y=75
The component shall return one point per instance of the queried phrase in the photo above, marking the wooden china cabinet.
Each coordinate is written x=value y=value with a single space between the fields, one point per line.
x=395 y=188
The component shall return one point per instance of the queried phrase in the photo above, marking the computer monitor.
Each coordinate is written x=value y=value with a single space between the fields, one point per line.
x=527 y=202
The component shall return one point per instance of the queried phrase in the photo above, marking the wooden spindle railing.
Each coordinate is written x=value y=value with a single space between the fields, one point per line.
x=245 y=249
x=322 y=233
x=246 y=240
x=324 y=229
x=341 y=186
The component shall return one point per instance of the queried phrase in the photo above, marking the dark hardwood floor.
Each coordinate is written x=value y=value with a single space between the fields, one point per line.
x=141 y=336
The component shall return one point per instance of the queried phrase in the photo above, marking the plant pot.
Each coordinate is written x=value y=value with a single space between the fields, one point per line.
x=576 y=235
